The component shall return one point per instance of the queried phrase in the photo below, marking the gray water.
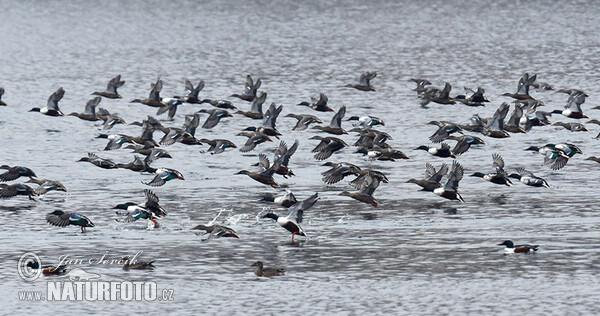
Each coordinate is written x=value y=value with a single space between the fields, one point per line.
x=414 y=254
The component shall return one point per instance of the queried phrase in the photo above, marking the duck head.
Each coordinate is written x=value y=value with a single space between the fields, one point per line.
x=422 y=147
x=124 y=206
x=257 y=264
x=271 y=215
x=507 y=243
x=478 y=174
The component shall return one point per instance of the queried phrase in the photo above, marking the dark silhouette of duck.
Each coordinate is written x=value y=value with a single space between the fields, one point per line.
x=512 y=125
x=339 y=171
x=523 y=88
x=327 y=146
x=13 y=173
x=265 y=171
x=221 y=104
x=573 y=127
x=254 y=139
x=319 y=104
x=495 y=126
x=11 y=190
x=432 y=177
x=498 y=177
x=100 y=162
x=335 y=127
x=192 y=92
x=111 y=88
x=2 y=103
x=64 y=219
x=215 y=116
x=464 y=142
x=366 y=183
x=52 y=109
x=283 y=155
x=364 y=81
x=45 y=186
x=438 y=96
x=218 y=146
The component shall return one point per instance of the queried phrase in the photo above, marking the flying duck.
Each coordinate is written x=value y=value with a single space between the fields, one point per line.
x=528 y=178
x=44 y=186
x=265 y=171
x=135 y=212
x=386 y=154
x=450 y=189
x=367 y=121
x=100 y=162
x=10 y=190
x=364 y=81
x=495 y=126
x=14 y=173
x=261 y=271
x=573 y=107
x=286 y=200
x=366 y=184
x=137 y=164
x=51 y=109
x=111 y=88
x=319 y=104
x=250 y=89
x=269 y=119
x=154 y=99
x=221 y=104
x=498 y=177
x=438 y=96
x=256 y=111
x=254 y=138
x=335 y=127
x=339 y=171
x=303 y=121
x=64 y=219
x=523 y=87
x=443 y=152
x=218 y=146
x=573 y=127
x=444 y=130
x=163 y=175
x=192 y=92
x=217 y=231
x=464 y=142
x=327 y=146
x=170 y=106
x=432 y=177
x=283 y=155
x=292 y=221
x=215 y=115
x=472 y=98
x=512 y=125
x=151 y=205
x=512 y=248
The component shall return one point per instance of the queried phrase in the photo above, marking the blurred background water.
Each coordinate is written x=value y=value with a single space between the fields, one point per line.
x=414 y=254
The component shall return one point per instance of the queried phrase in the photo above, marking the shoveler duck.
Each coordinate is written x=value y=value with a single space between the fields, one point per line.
x=110 y=120
x=261 y=271
x=218 y=146
x=154 y=99
x=319 y=104
x=571 y=91
x=512 y=125
x=215 y=115
x=450 y=189
x=542 y=86
x=472 y=98
x=523 y=87
x=573 y=107
x=464 y=142
x=438 y=96
x=432 y=177
x=292 y=221
x=250 y=89
x=327 y=146
x=286 y=200
x=135 y=212
x=100 y=162
x=137 y=164
x=265 y=171
x=386 y=154
x=443 y=152
x=64 y=219
x=254 y=138
x=364 y=81
x=339 y=171
x=498 y=177
x=269 y=120
x=303 y=121
x=16 y=172
x=111 y=88
x=1 y=94
x=528 y=178
x=149 y=151
x=175 y=134
x=115 y=141
x=221 y=104
x=170 y=106
x=370 y=135
x=421 y=85
x=444 y=130
x=137 y=265
x=495 y=126
x=10 y=190
x=48 y=270
x=335 y=127
x=150 y=205
x=556 y=155
x=366 y=183
x=192 y=92
x=256 y=111
x=367 y=121
x=162 y=176
x=512 y=248
x=283 y=155
x=217 y=231
x=535 y=118
x=365 y=177
x=573 y=127
x=52 y=109
x=45 y=186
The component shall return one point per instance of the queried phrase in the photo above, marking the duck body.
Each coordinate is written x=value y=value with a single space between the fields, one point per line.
x=11 y=190
x=163 y=175
x=443 y=152
x=261 y=271
x=14 y=173
x=512 y=248
x=64 y=219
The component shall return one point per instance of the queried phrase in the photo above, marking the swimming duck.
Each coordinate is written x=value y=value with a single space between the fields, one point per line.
x=215 y=116
x=250 y=89
x=495 y=126
x=386 y=154
x=265 y=171
x=367 y=121
x=573 y=107
x=51 y=109
x=335 y=127
x=48 y=270
x=269 y=119
x=443 y=152
x=286 y=200
x=10 y=190
x=366 y=184
x=512 y=125
x=218 y=146
x=266 y=272
x=256 y=111
x=523 y=87
x=450 y=189
x=338 y=171
x=217 y=231
x=364 y=81
x=319 y=104
x=432 y=177
x=444 y=130
x=573 y=127
x=303 y=121
x=512 y=248
x=154 y=99
x=170 y=106
x=14 y=173
x=498 y=177
x=283 y=155
x=292 y=221
x=64 y=219
x=137 y=265
x=464 y=142
x=100 y=162
x=111 y=88
x=192 y=92
x=528 y=178
x=1 y=94
x=163 y=175
x=327 y=146
x=472 y=98
x=439 y=96
x=254 y=138
x=45 y=185
x=221 y=104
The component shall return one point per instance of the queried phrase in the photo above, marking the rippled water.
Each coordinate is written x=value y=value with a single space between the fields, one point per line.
x=414 y=254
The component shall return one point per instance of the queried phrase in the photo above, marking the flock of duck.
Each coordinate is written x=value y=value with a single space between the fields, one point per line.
x=371 y=143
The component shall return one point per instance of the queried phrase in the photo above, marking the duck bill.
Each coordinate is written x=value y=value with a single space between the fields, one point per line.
x=180 y=177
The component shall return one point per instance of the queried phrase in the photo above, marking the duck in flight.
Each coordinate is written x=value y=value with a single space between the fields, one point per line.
x=51 y=108
x=364 y=81
x=292 y=221
x=111 y=88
